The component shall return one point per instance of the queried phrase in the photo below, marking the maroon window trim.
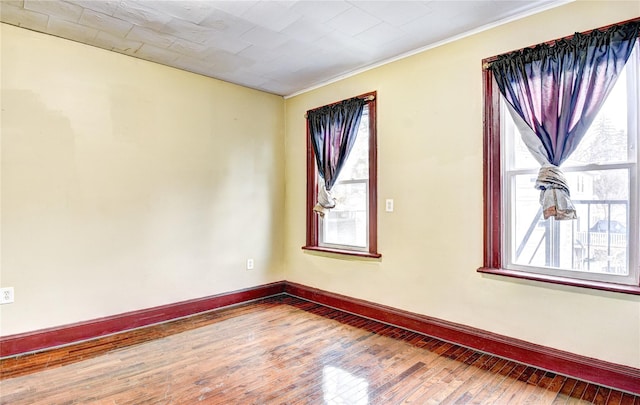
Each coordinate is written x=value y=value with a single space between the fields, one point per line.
x=492 y=177
x=493 y=220
x=312 y=238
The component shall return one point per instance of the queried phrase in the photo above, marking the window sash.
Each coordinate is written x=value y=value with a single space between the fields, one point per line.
x=509 y=173
x=322 y=228
x=510 y=242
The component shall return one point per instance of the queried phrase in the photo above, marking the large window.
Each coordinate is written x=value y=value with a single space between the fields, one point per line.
x=599 y=249
x=350 y=226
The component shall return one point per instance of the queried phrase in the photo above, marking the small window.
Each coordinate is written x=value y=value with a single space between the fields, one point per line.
x=350 y=226
x=599 y=249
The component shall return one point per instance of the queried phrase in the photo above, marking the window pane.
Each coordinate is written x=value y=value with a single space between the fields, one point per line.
x=357 y=164
x=607 y=140
x=517 y=154
x=346 y=224
x=597 y=242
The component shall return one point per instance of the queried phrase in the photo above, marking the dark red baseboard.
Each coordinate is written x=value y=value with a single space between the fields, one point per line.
x=597 y=371
x=600 y=372
x=67 y=334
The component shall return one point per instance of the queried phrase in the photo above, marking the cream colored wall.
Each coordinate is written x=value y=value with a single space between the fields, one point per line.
x=430 y=163
x=127 y=184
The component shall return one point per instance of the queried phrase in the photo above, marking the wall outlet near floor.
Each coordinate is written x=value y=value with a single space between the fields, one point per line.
x=249 y=264
x=6 y=295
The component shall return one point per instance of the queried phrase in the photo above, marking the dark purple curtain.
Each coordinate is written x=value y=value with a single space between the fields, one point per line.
x=558 y=89
x=333 y=130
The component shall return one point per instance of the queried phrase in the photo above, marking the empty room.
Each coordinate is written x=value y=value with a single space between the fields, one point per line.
x=319 y=202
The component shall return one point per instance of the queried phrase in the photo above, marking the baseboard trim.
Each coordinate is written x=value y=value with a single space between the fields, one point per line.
x=593 y=370
x=612 y=375
x=68 y=334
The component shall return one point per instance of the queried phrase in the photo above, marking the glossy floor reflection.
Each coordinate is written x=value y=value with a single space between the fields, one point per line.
x=341 y=387
x=283 y=350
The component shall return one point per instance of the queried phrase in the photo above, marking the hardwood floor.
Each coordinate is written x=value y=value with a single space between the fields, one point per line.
x=282 y=350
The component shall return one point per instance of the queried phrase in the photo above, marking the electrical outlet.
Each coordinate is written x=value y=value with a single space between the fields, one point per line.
x=6 y=295
x=389 y=205
x=249 y=264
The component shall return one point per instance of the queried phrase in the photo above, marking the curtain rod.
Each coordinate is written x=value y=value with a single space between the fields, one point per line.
x=370 y=97
x=488 y=61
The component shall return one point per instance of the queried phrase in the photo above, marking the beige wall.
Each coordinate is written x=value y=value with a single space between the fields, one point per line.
x=127 y=184
x=430 y=152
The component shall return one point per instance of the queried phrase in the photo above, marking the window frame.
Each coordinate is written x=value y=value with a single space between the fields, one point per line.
x=493 y=198
x=312 y=221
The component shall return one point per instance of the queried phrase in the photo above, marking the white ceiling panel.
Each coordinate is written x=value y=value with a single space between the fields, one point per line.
x=68 y=29
x=114 y=43
x=226 y=23
x=187 y=30
x=234 y=7
x=264 y=37
x=107 y=7
x=142 y=14
x=149 y=36
x=104 y=22
x=272 y=15
x=396 y=13
x=191 y=11
x=62 y=10
x=380 y=34
x=353 y=21
x=16 y=15
x=305 y=29
x=321 y=10
x=161 y=55
x=281 y=47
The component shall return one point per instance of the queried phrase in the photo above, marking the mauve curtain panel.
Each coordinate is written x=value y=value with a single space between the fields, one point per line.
x=557 y=90
x=333 y=130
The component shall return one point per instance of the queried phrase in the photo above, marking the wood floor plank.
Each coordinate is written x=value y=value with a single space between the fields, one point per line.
x=464 y=384
x=437 y=376
x=476 y=383
x=551 y=384
x=282 y=350
x=628 y=399
x=458 y=380
x=615 y=398
x=565 y=391
x=578 y=390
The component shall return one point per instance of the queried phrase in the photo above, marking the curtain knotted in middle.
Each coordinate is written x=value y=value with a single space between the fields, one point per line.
x=554 y=93
x=333 y=131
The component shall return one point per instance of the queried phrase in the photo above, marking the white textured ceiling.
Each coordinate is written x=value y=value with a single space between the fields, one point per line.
x=281 y=47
